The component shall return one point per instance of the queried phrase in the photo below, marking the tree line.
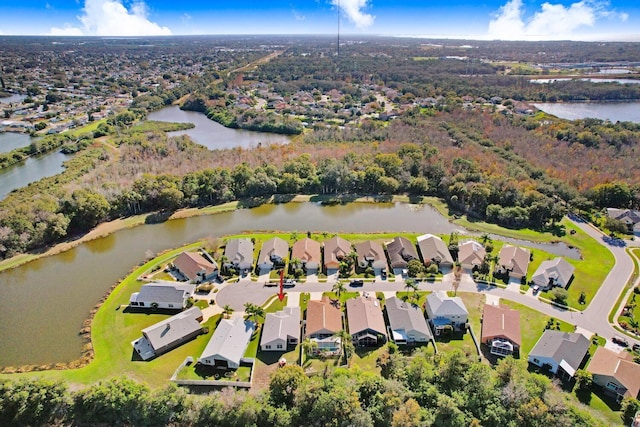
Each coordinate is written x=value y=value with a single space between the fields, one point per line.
x=427 y=390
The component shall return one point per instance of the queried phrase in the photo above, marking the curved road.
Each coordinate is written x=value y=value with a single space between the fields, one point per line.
x=594 y=318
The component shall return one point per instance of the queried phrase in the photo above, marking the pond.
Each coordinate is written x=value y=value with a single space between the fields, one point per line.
x=31 y=170
x=11 y=140
x=48 y=299
x=613 y=111
x=212 y=134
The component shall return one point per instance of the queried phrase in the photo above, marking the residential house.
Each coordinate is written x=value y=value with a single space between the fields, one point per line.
x=616 y=373
x=556 y=272
x=433 y=249
x=501 y=330
x=323 y=323
x=471 y=254
x=169 y=333
x=335 y=250
x=407 y=322
x=239 y=254
x=365 y=321
x=401 y=251
x=281 y=329
x=371 y=254
x=561 y=352
x=163 y=295
x=446 y=312
x=308 y=252
x=629 y=216
x=195 y=267
x=514 y=261
x=272 y=255
x=228 y=343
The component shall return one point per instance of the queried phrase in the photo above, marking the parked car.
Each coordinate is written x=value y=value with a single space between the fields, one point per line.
x=620 y=341
x=636 y=347
x=356 y=283
x=536 y=289
x=289 y=283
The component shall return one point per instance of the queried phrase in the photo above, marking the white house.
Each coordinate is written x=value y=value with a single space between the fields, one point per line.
x=556 y=272
x=163 y=295
x=281 y=329
x=407 y=322
x=239 y=254
x=445 y=311
x=228 y=343
x=561 y=352
x=273 y=253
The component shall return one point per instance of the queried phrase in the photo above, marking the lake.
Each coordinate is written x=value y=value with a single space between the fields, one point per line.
x=12 y=140
x=564 y=79
x=48 y=299
x=31 y=170
x=613 y=111
x=12 y=98
x=212 y=134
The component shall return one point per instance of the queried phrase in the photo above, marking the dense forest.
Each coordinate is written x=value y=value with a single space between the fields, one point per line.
x=443 y=390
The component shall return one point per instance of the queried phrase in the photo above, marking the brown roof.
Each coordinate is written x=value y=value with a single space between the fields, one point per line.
x=401 y=251
x=616 y=365
x=306 y=250
x=365 y=313
x=514 y=259
x=192 y=263
x=334 y=250
x=323 y=315
x=498 y=321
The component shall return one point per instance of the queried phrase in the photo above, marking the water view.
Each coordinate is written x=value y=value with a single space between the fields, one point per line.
x=12 y=140
x=63 y=288
x=613 y=111
x=31 y=170
x=212 y=134
x=13 y=98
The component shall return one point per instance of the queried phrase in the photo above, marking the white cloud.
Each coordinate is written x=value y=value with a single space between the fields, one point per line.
x=354 y=11
x=112 y=18
x=552 y=21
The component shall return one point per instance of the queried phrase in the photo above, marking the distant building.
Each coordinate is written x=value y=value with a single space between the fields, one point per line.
x=616 y=373
x=371 y=254
x=308 y=252
x=401 y=251
x=471 y=254
x=273 y=254
x=169 y=333
x=335 y=250
x=628 y=216
x=513 y=261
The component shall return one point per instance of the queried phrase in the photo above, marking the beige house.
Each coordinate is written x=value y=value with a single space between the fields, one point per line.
x=335 y=250
x=471 y=254
x=513 y=261
x=366 y=323
x=615 y=373
x=308 y=252
x=371 y=254
x=433 y=249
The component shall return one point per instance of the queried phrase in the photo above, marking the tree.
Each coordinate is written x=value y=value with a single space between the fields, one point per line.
x=415 y=268
x=32 y=402
x=560 y=295
x=254 y=311
x=407 y=415
x=284 y=384
x=86 y=209
x=629 y=408
x=227 y=310
x=338 y=288
x=584 y=379
x=118 y=401
x=309 y=346
x=412 y=286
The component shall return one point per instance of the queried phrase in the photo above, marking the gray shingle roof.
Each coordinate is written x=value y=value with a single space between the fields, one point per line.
x=164 y=293
x=557 y=270
x=273 y=247
x=401 y=251
x=230 y=340
x=442 y=305
x=174 y=328
x=239 y=251
x=405 y=316
x=281 y=325
x=557 y=345
x=364 y=313
x=433 y=248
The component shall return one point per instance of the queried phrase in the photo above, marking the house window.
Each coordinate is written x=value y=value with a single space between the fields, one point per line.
x=279 y=346
x=141 y=304
x=268 y=347
x=612 y=386
x=170 y=305
x=536 y=361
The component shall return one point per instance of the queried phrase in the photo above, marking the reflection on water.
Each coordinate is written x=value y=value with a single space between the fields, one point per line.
x=31 y=170
x=613 y=111
x=11 y=140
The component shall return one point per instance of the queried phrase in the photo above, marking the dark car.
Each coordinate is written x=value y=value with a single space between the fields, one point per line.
x=620 y=341
x=356 y=283
x=636 y=347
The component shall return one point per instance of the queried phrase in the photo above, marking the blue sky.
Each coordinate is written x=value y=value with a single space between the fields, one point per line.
x=488 y=19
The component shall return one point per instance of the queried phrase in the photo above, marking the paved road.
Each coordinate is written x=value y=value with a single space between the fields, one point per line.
x=594 y=318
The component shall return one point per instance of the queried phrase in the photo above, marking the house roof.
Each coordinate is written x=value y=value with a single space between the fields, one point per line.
x=406 y=317
x=557 y=269
x=442 y=305
x=471 y=252
x=559 y=346
x=323 y=315
x=370 y=250
x=500 y=321
x=628 y=216
x=434 y=249
x=401 y=251
x=192 y=263
x=335 y=249
x=281 y=325
x=164 y=293
x=239 y=251
x=230 y=339
x=273 y=247
x=174 y=328
x=363 y=314
x=306 y=250
x=617 y=365
x=514 y=259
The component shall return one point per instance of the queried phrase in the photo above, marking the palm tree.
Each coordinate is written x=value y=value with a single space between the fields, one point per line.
x=485 y=238
x=253 y=311
x=226 y=311
x=339 y=289
x=411 y=285
x=309 y=347
x=347 y=344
